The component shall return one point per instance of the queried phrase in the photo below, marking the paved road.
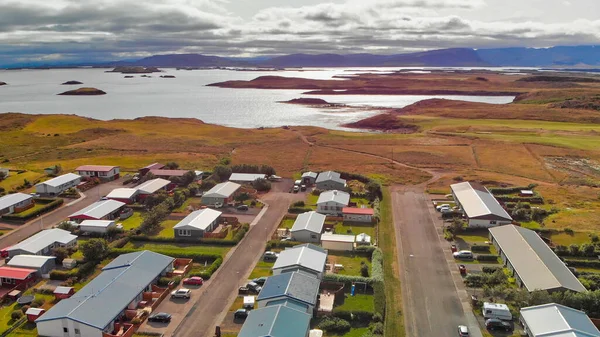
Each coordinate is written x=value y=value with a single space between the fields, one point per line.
x=55 y=217
x=209 y=304
x=432 y=306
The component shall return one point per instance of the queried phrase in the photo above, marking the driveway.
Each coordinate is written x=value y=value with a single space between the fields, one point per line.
x=432 y=306
x=55 y=217
x=209 y=304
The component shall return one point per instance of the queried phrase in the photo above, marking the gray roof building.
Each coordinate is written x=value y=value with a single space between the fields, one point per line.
x=29 y=261
x=200 y=219
x=222 y=190
x=310 y=221
x=60 y=180
x=305 y=256
x=103 y=299
x=339 y=197
x=276 y=321
x=246 y=177
x=122 y=193
x=153 y=186
x=555 y=320
x=10 y=200
x=37 y=243
x=536 y=265
x=296 y=286
x=330 y=176
x=477 y=202
x=98 y=210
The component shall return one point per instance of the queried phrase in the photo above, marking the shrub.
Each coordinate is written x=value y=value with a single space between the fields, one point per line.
x=136 y=320
x=177 y=253
x=298 y=204
x=298 y=210
x=377 y=317
x=206 y=274
x=377 y=328
x=354 y=316
x=281 y=244
x=62 y=275
x=490 y=270
x=25 y=308
x=38 y=302
x=347 y=279
x=364 y=270
x=487 y=257
x=569 y=231
x=16 y=315
x=120 y=243
x=480 y=248
x=334 y=324
x=583 y=263
x=261 y=184
x=365 y=250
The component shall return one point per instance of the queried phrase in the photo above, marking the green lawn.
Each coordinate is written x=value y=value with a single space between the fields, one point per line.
x=261 y=269
x=341 y=228
x=27 y=329
x=188 y=201
x=311 y=201
x=167 y=229
x=5 y=320
x=35 y=208
x=287 y=223
x=354 y=332
x=14 y=180
x=567 y=239
x=474 y=236
x=174 y=248
x=358 y=302
x=132 y=222
x=351 y=262
x=361 y=201
x=531 y=225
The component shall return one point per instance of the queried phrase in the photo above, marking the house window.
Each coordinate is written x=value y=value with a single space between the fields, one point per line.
x=313 y=236
x=324 y=208
x=493 y=222
x=65 y=330
x=185 y=232
x=8 y=280
x=77 y=332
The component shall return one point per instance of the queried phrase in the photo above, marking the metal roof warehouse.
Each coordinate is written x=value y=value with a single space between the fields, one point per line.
x=478 y=203
x=555 y=320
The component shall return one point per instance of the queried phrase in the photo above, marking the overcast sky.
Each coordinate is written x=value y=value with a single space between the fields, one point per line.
x=88 y=30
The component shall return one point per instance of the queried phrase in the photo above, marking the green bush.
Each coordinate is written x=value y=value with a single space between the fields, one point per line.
x=365 y=250
x=583 y=263
x=62 y=275
x=298 y=210
x=347 y=279
x=334 y=324
x=206 y=274
x=511 y=190
x=281 y=244
x=364 y=270
x=28 y=214
x=18 y=314
x=487 y=257
x=353 y=316
x=480 y=248
x=299 y=204
x=377 y=328
x=490 y=270
x=25 y=308
x=377 y=281
x=181 y=253
x=38 y=302
x=377 y=317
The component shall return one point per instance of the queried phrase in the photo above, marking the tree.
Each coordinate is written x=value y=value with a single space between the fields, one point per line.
x=194 y=188
x=588 y=249
x=94 y=249
x=207 y=185
x=66 y=225
x=172 y=165
x=188 y=178
x=178 y=198
x=61 y=253
x=268 y=170
x=374 y=190
x=222 y=172
x=364 y=270
x=154 y=199
x=456 y=226
x=261 y=184
x=574 y=250
x=154 y=217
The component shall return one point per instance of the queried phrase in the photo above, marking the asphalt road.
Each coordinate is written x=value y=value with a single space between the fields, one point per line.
x=209 y=305
x=55 y=217
x=432 y=306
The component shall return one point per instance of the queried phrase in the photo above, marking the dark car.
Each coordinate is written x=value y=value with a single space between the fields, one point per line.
x=497 y=324
x=254 y=287
x=240 y=314
x=260 y=281
x=160 y=317
x=242 y=208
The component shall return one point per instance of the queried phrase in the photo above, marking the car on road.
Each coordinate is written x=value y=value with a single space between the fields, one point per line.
x=160 y=317
x=463 y=331
x=240 y=314
x=296 y=189
x=302 y=188
x=194 y=280
x=181 y=293
x=242 y=208
x=253 y=286
x=463 y=254
x=497 y=324
x=439 y=207
x=260 y=281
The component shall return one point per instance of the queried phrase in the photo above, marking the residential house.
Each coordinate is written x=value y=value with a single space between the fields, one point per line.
x=102 y=172
x=550 y=320
x=42 y=265
x=96 y=226
x=56 y=186
x=99 y=305
x=308 y=227
x=125 y=195
x=154 y=166
x=221 y=193
x=43 y=242
x=60 y=292
x=309 y=178
x=337 y=242
x=332 y=202
x=15 y=203
x=12 y=277
x=330 y=180
x=479 y=206
x=197 y=223
x=246 y=178
x=276 y=321
x=306 y=258
x=357 y=214
x=299 y=288
x=531 y=262
x=153 y=186
x=100 y=210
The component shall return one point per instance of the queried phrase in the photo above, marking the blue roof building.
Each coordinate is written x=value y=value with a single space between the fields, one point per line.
x=276 y=321
x=298 y=288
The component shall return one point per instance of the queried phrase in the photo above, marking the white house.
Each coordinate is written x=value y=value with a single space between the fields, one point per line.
x=220 y=193
x=96 y=226
x=153 y=186
x=337 y=242
x=307 y=258
x=197 y=223
x=330 y=180
x=332 y=202
x=102 y=172
x=308 y=227
x=552 y=319
x=357 y=214
x=100 y=210
x=56 y=186
x=363 y=239
x=15 y=202
x=246 y=177
x=43 y=242
x=479 y=205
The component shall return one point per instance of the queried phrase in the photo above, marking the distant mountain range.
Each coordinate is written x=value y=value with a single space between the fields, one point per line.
x=577 y=56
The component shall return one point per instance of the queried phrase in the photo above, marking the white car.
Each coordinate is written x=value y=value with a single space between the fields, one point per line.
x=446 y=210
x=463 y=254
x=218 y=205
x=181 y=293
x=439 y=207
x=463 y=331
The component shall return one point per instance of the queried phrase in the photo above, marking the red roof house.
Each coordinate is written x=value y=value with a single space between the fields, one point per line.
x=168 y=173
x=101 y=172
x=154 y=166
x=355 y=214
x=12 y=277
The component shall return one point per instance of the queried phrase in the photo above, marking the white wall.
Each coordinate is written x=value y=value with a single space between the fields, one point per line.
x=55 y=327
x=335 y=245
x=358 y=218
x=476 y=223
x=330 y=208
x=306 y=236
x=95 y=229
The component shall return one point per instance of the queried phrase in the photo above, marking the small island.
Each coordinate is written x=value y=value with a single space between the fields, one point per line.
x=84 y=92
x=72 y=83
x=307 y=101
x=134 y=70
x=3 y=83
x=167 y=76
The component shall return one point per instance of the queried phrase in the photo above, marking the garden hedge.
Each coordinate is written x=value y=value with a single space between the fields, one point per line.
x=511 y=190
x=282 y=244
x=583 y=263
x=298 y=210
x=487 y=257
x=354 y=315
x=177 y=253
x=206 y=274
x=480 y=248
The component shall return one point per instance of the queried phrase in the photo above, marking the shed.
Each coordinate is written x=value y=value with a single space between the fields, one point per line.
x=249 y=302
x=246 y=177
x=309 y=178
x=34 y=313
x=63 y=292
x=69 y=263
x=220 y=193
x=197 y=223
x=363 y=239
x=337 y=242
x=358 y=214
x=308 y=227
x=96 y=226
x=125 y=195
x=43 y=265
x=527 y=193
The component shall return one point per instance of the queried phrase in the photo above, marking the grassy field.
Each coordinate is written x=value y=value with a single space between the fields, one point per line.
x=567 y=239
x=287 y=223
x=344 y=228
x=358 y=302
x=14 y=180
x=187 y=202
x=351 y=262
x=166 y=229
x=261 y=269
x=132 y=222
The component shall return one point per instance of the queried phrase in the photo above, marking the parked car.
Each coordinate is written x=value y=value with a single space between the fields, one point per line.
x=446 y=210
x=194 y=280
x=296 y=189
x=303 y=188
x=218 y=205
x=242 y=208
x=497 y=324
x=254 y=287
x=160 y=317
x=439 y=207
x=240 y=314
x=243 y=290
x=181 y=293
x=463 y=331
x=260 y=281
x=270 y=256
x=463 y=254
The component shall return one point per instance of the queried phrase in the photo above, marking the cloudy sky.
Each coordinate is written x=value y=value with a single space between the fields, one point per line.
x=90 y=30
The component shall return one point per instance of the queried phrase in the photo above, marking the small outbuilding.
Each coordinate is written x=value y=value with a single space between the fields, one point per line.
x=308 y=227
x=332 y=202
x=197 y=223
x=526 y=193
x=96 y=226
x=69 y=263
x=245 y=178
x=34 y=313
x=124 y=195
x=363 y=239
x=357 y=214
x=337 y=242
x=309 y=178
x=63 y=292
x=43 y=265
x=221 y=193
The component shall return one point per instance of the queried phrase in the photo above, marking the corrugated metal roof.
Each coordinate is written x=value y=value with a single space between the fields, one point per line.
x=276 y=321
x=337 y=237
x=357 y=210
x=304 y=256
x=62 y=290
x=558 y=320
x=476 y=201
x=297 y=286
x=15 y=273
x=96 y=223
x=310 y=221
x=99 y=209
x=43 y=239
x=330 y=176
x=13 y=199
x=535 y=263
x=310 y=174
x=339 y=197
x=34 y=311
x=95 y=168
x=168 y=173
x=29 y=261
x=122 y=193
x=151 y=186
x=290 y=304
x=199 y=219
x=61 y=180
x=246 y=177
x=108 y=294
x=222 y=190
x=154 y=166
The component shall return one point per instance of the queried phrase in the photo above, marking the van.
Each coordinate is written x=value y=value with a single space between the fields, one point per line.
x=496 y=310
